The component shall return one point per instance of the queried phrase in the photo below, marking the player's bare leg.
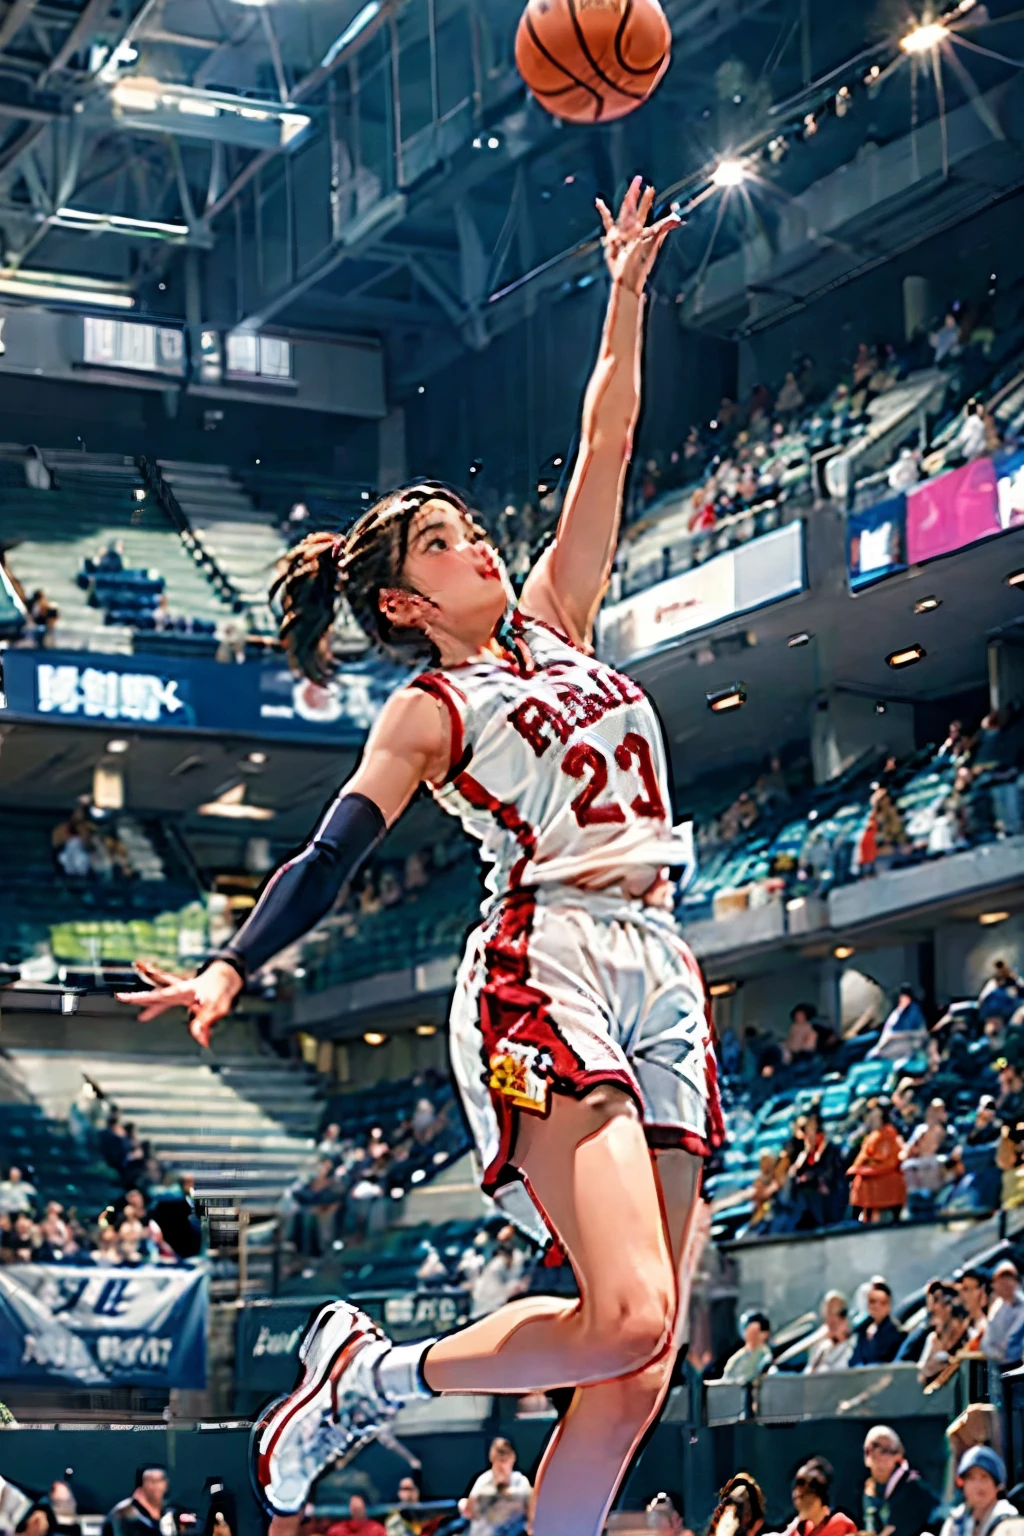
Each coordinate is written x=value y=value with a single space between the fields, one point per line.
x=589 y=1167
x=590 y=1451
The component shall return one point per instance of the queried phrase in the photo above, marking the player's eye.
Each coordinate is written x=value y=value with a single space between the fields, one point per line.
x=439 y=541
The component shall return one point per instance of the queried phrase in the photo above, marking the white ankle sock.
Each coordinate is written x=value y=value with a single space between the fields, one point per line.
x=399 y=1373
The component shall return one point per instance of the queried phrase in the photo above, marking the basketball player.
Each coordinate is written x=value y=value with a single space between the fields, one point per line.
x=579 y=1033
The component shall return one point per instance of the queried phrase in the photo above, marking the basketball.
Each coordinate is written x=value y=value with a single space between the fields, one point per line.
x=590 y=61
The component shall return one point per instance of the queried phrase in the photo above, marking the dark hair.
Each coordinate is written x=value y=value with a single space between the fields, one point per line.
x=877 y=1283
x=816 y=1474
x=358 y=565
x=741 y=1493
x=503 y=1446
x=805 y=1008
x=977 y=1275
x=760 y=1318
x=884 y=1108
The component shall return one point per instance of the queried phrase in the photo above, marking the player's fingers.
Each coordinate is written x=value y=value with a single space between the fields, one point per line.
x=606 y=217
x=629 y=202
x=157 y=1004
x=201 y=1024
x=646 y=203
x=155 y=976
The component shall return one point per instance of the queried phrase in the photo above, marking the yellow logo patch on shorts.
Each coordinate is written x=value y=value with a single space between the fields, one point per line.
x=514 y=1078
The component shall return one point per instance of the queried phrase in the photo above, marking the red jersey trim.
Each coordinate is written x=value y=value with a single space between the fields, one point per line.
x=505 y=814
x=445 y=692
x=520 y=620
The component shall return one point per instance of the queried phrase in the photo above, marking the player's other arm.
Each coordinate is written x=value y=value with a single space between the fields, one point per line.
x=410 y=744
x=568 y=582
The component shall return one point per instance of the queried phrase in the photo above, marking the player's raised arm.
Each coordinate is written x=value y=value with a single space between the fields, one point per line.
x=567 y=583
x=409 y=744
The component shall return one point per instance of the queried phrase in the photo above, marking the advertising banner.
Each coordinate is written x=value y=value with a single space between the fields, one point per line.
x=749 y=576
x=1010 y=486
x=97 y=1327
x=876 y=541
x=952 y=511
x=269 y=1332
x=197 y=694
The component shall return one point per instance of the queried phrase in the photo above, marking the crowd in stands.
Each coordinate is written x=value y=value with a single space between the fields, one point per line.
x=362 y=1162
x=135 y=598
x=755 y=454
x=912 y=1120
x=86 y=848
x=38 y=1231
x=783 y=837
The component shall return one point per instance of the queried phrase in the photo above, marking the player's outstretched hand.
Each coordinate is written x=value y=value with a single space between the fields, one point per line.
x=208 y=998
x=631 y=245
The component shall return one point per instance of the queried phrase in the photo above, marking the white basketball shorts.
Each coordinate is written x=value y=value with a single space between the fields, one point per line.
x=562 y=989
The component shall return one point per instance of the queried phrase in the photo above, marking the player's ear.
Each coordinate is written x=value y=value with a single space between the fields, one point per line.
x=399 y=607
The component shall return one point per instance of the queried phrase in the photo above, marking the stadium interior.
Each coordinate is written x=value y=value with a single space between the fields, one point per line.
x=265 y=259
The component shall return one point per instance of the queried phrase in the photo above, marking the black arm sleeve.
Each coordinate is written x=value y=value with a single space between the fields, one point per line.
x=305 y=889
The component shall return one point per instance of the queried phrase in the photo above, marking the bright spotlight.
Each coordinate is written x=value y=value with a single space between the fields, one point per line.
x=924 y=38
x=729 y=173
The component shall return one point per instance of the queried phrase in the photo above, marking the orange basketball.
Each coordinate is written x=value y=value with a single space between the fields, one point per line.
x=592 y=60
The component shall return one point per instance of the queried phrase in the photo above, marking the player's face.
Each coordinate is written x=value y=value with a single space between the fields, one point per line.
x=461 y=573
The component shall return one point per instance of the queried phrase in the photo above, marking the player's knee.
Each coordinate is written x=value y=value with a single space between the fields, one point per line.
x=641 y=1331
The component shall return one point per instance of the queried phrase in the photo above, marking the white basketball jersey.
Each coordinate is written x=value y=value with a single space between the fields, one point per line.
x=558 y=765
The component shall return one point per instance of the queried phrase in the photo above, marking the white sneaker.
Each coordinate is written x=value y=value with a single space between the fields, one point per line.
x=336 y=1408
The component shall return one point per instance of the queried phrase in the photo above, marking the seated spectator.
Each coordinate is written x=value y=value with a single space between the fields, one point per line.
x=816 y=1179
x=946 y=340
x=502 y=1276
x=923 y=1167
x=1003 y=1339
x=415 y=874
x=424 y=1121
x=878 y=1189
x=834 y=1349
x=985 y=1129
x=981 y=1478
x=948 y=1332
x=801 y=1037
x=790 y=397
x=1001 y=994
x=905 y=1029
x=763 y=1191
x=750 y=1363
x=113 y=1144
x=20 y=1242
x=811 y=1499
x=431 y=1270
x=56 y=1244
x=879 y=1336
x=357 y=1523
x=498 y=1503
x=973 y=1289
x=404 y=1521
x=330 y=1148
x=897 y=1500
x=144 y=1513
x=1010 y=1101
x=17 y=1195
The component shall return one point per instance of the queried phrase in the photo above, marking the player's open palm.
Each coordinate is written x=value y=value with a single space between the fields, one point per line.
x=631 y=245
x=207 y=998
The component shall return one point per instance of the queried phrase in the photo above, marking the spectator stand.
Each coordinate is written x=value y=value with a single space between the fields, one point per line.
x=86 y=526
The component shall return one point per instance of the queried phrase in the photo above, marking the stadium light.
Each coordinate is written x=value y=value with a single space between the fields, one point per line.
x=796 y=641
x=843 y=951
x=906 y=657
x=924 y=38
x=989 y=919
x=1015 y=579
x=374 y=1037
x=119 y=224
x=729 y=173
x=727 y=699
x=19 y=283
x=927 y=604
x=722 y=988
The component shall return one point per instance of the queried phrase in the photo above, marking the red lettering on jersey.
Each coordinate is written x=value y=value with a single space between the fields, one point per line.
x=532 y=717
x=634 y=746
x=616 y=689
x=580 y=708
